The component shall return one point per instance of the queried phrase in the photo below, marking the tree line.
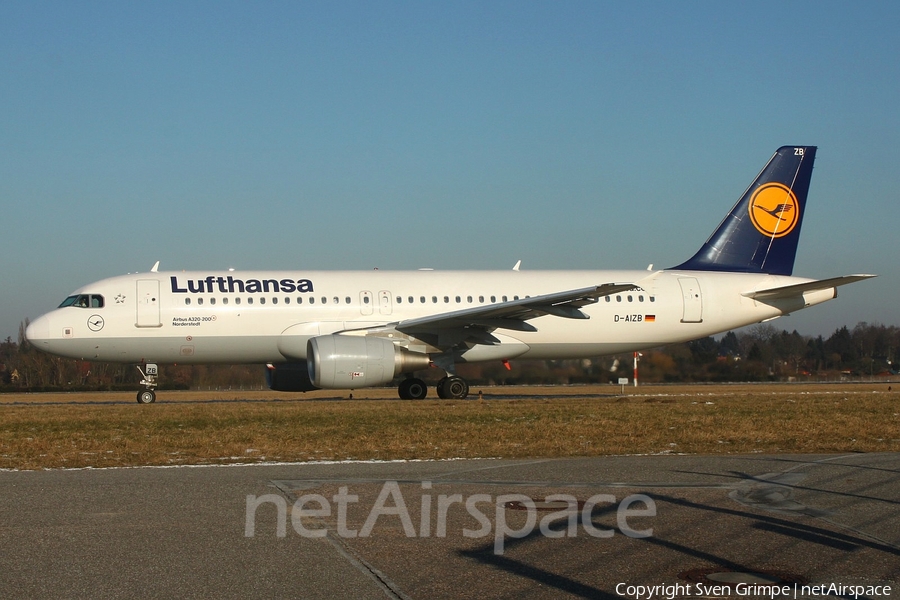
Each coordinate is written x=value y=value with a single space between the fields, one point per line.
x=760 y=353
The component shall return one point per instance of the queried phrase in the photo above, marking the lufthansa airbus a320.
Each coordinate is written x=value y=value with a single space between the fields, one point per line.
x=353 y=329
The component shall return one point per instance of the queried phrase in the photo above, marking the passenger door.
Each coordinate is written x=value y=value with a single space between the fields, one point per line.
x=148 y=303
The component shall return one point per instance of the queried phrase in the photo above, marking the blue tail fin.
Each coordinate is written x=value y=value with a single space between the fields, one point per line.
x=760 y=233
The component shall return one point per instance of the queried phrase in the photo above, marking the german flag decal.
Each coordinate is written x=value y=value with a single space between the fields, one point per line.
x=649 y=318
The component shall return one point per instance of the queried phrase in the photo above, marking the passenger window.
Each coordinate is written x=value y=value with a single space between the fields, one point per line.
x=324 y=300
x=411 y=299
x=399 y=299
x=457 y=299
x=187 y=301
x=347 y=300
x=337 y=300
x=274 y=300
x=422 y=299
x=434 y=299
x=250 y=300
x=493 y=299
x=299 y=299
x=287 y=300
x=237 y=300
x=365 y=300
x=608 y=299
x=262 y=300
x=504 y=298
x=652 y=298
x=640 y=298
x=481 y=299
x=312 y=300
x=618 y=298
x=224 y=300
x=630 y=299
x=200 y=301
x=212 y=301
x=446 y=299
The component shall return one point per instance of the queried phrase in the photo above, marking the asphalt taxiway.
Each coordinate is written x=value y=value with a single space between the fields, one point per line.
x=579 y=527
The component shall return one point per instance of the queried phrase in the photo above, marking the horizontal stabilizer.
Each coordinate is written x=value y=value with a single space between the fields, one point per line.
x=789 y=291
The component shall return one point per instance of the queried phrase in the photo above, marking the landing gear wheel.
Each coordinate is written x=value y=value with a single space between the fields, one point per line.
x=412 y=389
x=146 y=397
x=149 y=378
x=453 y=388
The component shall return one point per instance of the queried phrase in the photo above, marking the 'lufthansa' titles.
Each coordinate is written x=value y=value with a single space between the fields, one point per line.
x=231 y=285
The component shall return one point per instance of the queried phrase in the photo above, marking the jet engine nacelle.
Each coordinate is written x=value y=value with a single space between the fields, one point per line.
x=289 y=377
x=347 y=362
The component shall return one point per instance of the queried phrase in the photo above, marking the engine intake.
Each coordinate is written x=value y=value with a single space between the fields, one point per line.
x=343 y=361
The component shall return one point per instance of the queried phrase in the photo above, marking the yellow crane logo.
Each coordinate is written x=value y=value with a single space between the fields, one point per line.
x=774 y=210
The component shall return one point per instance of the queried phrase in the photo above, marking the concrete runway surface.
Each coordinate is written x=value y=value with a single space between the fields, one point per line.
x=457 y=529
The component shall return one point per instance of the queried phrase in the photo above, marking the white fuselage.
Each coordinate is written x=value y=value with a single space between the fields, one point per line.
x=267 y=317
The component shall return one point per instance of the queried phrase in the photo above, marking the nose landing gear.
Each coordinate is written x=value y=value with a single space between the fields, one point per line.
x=150 y=376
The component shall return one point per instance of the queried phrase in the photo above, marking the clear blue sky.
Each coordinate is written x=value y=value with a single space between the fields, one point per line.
x=303 y=135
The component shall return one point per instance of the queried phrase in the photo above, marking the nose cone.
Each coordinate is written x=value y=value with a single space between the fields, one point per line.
x=38 y=331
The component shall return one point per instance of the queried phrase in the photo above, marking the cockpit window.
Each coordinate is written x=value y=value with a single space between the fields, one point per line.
x=83 y=301
x=70 y=301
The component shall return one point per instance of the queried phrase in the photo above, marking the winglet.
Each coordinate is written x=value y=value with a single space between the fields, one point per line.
x=155 y=267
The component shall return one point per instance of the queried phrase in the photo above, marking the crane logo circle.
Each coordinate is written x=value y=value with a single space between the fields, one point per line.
x=774 y=210
x=95 y=323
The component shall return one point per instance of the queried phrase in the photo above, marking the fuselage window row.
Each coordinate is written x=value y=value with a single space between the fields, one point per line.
x=286 y=300
x=367 y=300
x=631 y=298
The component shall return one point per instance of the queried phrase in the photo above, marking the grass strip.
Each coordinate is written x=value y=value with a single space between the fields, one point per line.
x=738 y=420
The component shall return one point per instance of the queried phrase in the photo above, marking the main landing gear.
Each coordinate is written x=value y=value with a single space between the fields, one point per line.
x=150 y=376
x=452 y=388
x=448 y=388
x=412 y=389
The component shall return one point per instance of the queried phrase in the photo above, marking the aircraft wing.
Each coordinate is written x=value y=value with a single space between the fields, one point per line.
x=789 y=291
x=474 y=324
